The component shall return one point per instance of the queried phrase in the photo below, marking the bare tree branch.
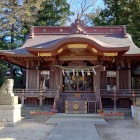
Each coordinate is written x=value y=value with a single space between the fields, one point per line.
x=82 y=8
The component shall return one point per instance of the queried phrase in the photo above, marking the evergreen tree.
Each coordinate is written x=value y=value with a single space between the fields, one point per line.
x=134 y=21
x=53 y=13
x=16 y=16
x=121 y=12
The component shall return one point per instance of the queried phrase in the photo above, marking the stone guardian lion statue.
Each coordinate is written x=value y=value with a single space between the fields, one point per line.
x=7 y=88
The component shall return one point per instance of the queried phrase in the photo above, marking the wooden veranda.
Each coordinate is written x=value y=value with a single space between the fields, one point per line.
x=122 y=98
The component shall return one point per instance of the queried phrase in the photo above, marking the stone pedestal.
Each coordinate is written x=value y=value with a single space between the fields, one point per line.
x=8 y=100
x=10 y=111
x=10 y=115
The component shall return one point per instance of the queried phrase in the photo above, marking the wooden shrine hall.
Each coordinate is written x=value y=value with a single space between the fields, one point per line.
x=78 y=68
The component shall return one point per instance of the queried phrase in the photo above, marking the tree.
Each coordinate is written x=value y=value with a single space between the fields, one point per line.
x=115 y=13
x=134 y=21
x=121 y=12
x=16 y=17
x=53 y=13
x=83 y=9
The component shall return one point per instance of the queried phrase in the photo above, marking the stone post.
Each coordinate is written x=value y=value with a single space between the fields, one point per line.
x=22 y=100
x=137 y=111
x=41 y=100
x=114 y=98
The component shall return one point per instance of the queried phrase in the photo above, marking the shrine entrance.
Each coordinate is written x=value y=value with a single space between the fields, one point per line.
x=77 y=81
x=79 y=72
x=78 y=95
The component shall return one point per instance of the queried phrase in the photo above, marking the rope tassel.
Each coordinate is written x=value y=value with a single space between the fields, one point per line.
x=63 y=72
x=73 y=72
x=94 y=71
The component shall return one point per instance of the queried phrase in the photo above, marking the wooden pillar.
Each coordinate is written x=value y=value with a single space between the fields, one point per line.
x=129 y=74
x=60 y=81
x=52 y=78
x=117 y=79
x=27 y=74
x=115 y=99
x=97 y=87
x=38 y=75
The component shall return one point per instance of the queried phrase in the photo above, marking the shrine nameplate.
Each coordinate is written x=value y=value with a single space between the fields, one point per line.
x=76 y=107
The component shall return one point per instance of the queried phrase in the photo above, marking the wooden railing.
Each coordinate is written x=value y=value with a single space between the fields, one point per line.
x=120 y=98
x=35 y=92
x=120 y=91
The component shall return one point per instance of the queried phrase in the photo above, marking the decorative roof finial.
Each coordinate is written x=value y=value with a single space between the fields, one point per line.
x=78 y=16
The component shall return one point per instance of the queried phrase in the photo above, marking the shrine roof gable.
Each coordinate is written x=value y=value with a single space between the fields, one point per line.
x=48 y=38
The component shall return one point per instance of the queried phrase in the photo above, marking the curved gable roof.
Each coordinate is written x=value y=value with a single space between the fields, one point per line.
x=78 y=38
x=103 y=38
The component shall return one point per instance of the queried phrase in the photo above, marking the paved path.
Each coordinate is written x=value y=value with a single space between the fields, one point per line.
x=75 y=127
x=74 y=131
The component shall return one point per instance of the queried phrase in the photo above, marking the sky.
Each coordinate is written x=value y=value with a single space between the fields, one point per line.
x=75 y=6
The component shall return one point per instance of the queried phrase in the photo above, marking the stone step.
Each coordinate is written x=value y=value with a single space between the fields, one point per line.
x=91 y=118
x=63 y=115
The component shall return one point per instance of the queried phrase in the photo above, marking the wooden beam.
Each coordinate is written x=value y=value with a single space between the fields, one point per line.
x=49 y=59
x=17 y=62
x=67 y=58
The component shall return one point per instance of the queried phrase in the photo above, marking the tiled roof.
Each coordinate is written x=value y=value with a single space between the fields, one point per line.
x=112 y=41
x=104 y=40
x=46 y=41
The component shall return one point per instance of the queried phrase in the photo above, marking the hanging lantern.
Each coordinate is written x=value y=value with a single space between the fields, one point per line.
x=94 y=71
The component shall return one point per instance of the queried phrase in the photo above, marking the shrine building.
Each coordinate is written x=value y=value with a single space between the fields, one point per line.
x=78 y=68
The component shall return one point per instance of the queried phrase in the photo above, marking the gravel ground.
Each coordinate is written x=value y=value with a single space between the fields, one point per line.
x=119 y=130
x=31 y=128
x=35 y=128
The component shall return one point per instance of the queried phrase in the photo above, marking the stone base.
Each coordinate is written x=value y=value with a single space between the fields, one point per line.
x=137 y=115
x=10 y=115
x=8 y=100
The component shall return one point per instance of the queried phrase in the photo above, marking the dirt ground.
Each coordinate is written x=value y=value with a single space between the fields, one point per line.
x=119 y=130
x=35 y=128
